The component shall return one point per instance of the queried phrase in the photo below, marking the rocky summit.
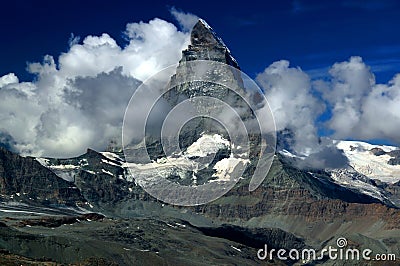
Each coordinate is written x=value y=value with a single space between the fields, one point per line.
x=90 y=210
x=206 y=45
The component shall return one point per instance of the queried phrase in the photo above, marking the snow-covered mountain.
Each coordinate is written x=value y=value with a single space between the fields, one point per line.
x=374 y=161
x=372 y=170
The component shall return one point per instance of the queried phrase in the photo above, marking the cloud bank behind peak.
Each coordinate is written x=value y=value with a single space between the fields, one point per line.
x=79 y=103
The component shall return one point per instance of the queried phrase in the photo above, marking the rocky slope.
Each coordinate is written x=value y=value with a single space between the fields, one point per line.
x=121 y=242
x=291 y=208
x=25 y=180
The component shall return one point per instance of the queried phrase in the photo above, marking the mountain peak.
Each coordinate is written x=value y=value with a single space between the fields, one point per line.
x=206 y=45
x=202 y=21
x=202 y=34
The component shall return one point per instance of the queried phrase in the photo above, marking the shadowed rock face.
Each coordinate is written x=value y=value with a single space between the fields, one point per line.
x=289 y=191
x=201 y=35
x=23 y=179
x=206 y=45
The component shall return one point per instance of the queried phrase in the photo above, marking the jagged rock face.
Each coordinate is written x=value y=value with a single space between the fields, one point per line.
x=100 y=179
x=206 y=45
x=23 y=179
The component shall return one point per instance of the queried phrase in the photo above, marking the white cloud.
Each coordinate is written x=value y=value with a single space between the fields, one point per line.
x=361 y=109
x=152 y=47
x=80 y=102
x=185 y=20
x=288 y=91
x=73 y=40
x=350 y=82
x=8 y=79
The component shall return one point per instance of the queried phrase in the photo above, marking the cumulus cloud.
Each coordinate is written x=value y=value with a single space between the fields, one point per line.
x=361 y=109
x=8 y=79
x=80 y=102
x=295 y=108
x=349 y=84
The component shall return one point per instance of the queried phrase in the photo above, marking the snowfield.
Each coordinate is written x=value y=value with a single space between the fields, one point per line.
x=179 y=164
x=365 y=162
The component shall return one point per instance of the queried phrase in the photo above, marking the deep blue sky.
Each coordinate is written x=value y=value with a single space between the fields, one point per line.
x=310 y=34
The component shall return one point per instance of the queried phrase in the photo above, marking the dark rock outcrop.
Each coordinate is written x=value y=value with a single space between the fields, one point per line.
x=377 y=151
x=395 y=160
x=24 y=179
